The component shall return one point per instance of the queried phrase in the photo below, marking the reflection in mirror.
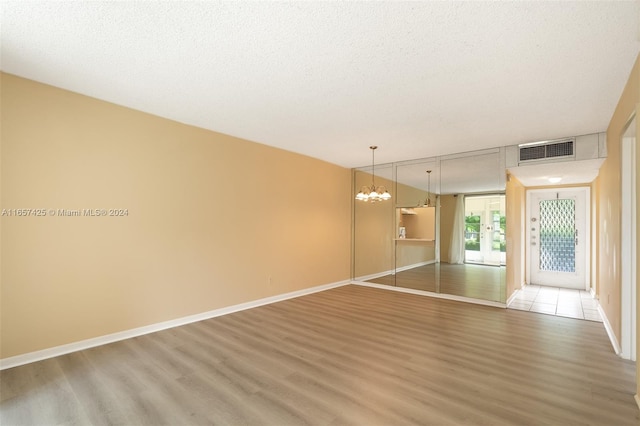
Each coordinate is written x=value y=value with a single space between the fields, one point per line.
x=472 y=238
x=416 y=248
x=373 y=228
x=485 y=229
x=422 y=242
x=479 y=274
x=417 y=254
x=415 y=185
x=473 y=172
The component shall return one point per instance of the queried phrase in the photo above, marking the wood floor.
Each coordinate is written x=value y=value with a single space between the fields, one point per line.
x=352 y=355
x=468 y=280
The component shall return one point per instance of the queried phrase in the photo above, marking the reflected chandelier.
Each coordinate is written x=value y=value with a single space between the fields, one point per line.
x=428 y=202
x=373 y=193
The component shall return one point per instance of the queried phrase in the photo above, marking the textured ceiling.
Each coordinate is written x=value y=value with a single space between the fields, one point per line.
x=328 y=79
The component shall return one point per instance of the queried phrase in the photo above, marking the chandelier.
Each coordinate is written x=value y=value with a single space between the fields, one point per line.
x=428 y=202
x=373 y=193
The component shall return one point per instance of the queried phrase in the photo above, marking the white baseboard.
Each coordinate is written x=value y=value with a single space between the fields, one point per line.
x=376 y=275
x=432 y=294
x=513 y=296
x=610 y=333
x=515 y=293
x=415 y=265
x=30 y=357
x=392 y=271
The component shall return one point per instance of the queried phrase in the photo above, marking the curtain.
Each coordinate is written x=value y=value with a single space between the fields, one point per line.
x=456 y=250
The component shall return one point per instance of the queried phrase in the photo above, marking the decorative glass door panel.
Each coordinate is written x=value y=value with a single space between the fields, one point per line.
x=558 y=237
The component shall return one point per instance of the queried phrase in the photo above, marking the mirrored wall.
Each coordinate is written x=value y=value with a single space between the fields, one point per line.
x=442 y=231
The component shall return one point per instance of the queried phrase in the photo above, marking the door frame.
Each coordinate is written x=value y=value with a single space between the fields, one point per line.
x=628 y=224
x=482 y=229
x=587 y=236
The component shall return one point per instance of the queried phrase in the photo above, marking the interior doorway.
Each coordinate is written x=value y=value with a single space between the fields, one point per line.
x=485 y=226
x=558 y=237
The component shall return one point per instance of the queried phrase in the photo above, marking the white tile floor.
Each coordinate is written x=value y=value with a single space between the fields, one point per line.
x=562 y=302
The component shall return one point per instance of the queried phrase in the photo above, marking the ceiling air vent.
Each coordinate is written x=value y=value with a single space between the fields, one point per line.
x=547 y=150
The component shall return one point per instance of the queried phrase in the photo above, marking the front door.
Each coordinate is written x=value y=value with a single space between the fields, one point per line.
x=558 y=237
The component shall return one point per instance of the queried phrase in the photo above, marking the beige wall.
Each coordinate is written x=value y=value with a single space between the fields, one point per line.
x=421 y=225
x=608 y=190
x=212 y=220
x=414 y=252
x=636 y=76
x=375 y=228
x=409 y=196
x=595 y=242
x=609 y=229
x=515 y=216
x=447 y=211
x=609 y=193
